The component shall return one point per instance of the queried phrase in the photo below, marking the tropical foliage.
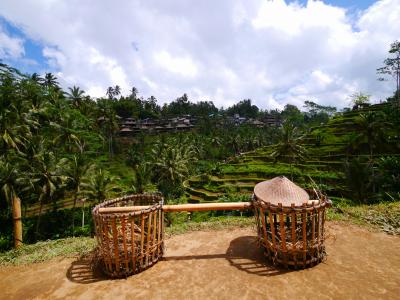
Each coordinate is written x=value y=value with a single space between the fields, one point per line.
x=60 y=146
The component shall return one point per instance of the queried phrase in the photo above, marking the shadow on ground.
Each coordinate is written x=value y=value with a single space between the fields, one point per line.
x=244 y=254
x=86 y=269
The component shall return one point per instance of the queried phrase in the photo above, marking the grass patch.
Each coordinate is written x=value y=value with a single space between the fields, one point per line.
x=385 y=216
x=214 y=223
x=43 y=251
x=382 y=216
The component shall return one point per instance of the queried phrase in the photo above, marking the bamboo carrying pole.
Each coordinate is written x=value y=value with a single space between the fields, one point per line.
x=181 y=207
x=16 y=206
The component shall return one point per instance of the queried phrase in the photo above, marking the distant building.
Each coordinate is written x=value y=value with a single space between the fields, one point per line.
x=272 y=120
x=130 y=126
x=256 y=123
x=125 y=131
x=236 y=120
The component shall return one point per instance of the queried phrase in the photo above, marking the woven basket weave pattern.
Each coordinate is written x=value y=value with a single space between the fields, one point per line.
x=130 y=242
x=290 y=227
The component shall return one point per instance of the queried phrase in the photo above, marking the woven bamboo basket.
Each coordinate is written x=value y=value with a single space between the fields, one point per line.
x=290 y=222
x=132 y=241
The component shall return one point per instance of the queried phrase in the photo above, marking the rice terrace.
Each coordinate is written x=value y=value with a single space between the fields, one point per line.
x=268 y=166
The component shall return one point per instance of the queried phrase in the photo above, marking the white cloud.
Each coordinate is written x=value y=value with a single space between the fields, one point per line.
x=150 y=83
x=110 y=66
x=54 y=57
x=227 y=50
x=95 y=90
x=293 y=19
x=10 y=47
x=180 y=65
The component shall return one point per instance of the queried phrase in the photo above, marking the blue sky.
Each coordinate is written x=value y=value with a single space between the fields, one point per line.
x=33 y=59
x=352 y=4
x=270 y=51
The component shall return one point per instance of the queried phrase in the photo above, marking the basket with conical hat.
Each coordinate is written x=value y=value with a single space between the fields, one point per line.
x=290 y=222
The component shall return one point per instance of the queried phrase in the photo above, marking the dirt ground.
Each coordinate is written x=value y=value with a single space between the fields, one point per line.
x=225 y=265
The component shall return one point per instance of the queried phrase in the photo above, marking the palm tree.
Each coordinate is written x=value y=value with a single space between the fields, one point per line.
x=98 y=185
x=389 y=175
x=357 y=177
x=141 y=178
x=15 y=119
x=89 y=107
x=50 y=80
x=109 y=124
x=66 y=132
x=45 y=178
x=14 y=132
x=289 y=146
x=159 y=146
x=77 y=167
x=35 y=77
x=76 y=96
x=172 y=166
x=10 y=180
x=110 y=92
x=135 y=155
x=371 y=127
x=215 y=141
x=234 y=141
x=134 y=92
x=117 y=90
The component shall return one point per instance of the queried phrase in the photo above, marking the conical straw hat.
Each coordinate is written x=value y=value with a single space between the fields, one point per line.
x=280 y=190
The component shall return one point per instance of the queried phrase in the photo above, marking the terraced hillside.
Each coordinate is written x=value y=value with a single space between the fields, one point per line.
x=327 y=145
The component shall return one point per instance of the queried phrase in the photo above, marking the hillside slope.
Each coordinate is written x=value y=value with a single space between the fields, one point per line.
x=328 y=147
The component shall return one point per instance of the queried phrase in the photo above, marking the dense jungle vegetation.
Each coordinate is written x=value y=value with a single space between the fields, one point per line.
x=61 y=152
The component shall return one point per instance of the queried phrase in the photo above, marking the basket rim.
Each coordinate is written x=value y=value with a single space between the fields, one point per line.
x=323 y=201
x=152 y=207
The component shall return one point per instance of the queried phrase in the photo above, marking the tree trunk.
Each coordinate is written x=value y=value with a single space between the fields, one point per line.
x=16 y=207
x=398 y=86
x=291 y=171
x=83 y=214
x=110 y=145
x=73 y=213
x=372 y=169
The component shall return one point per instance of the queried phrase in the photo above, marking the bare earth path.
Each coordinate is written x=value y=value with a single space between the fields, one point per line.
x=225 y=265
